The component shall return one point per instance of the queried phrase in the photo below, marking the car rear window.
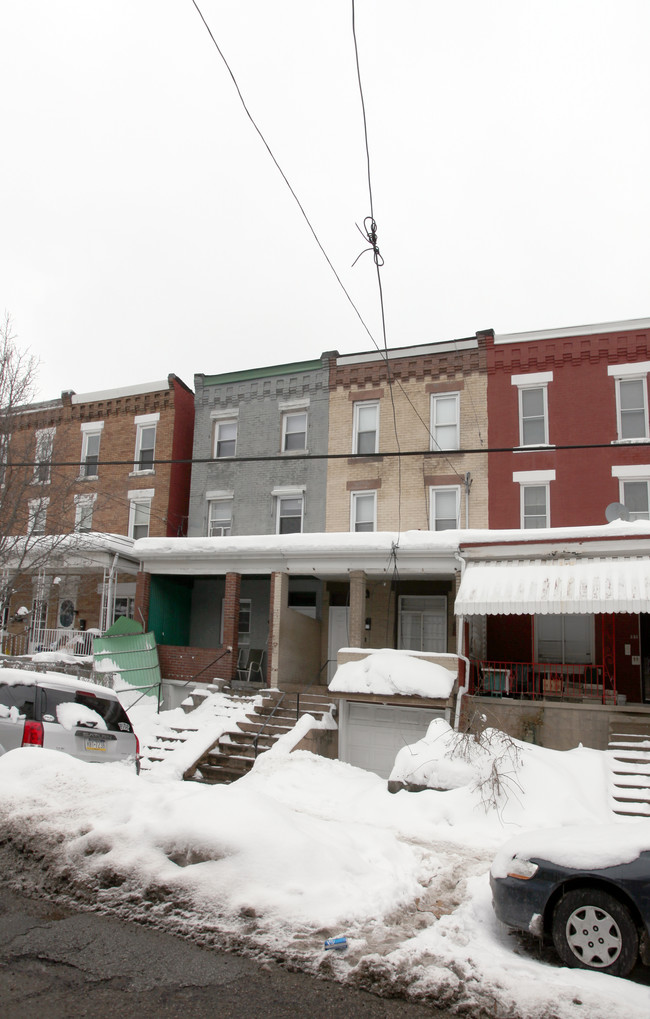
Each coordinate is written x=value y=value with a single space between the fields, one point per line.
x=110 y=710
x=16 y=698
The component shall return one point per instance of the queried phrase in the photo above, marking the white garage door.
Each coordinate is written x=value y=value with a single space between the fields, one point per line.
x=371 y=734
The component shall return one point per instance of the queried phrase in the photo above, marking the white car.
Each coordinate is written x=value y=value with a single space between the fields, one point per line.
x=48 y=709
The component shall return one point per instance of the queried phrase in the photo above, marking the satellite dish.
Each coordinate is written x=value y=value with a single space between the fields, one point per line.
x=616 y=511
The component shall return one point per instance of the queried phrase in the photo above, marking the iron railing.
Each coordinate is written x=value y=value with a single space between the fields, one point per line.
x=541 y=680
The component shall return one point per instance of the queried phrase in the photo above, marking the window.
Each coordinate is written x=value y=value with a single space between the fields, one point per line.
x=140 y=512
x=445 y=412
x=84 y=505
x=219 y=518
x=43 y=465
x=37 y=516
x=66 y=613
x=534 y=506
x=423 y=623
x=366 y=428
x=445 y=508
x=145 y=443
x=289 y=510
x=363 y=511
x=294 y=431
x=634 y=496
x=124 y=607
x=92 y=433
x=564 y=640
x=225 y=438
x=631 y=399
x=633 y=489
x=533 y=407
x=4 y=455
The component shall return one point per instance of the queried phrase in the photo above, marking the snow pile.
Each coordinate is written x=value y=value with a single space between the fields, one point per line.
x=304 y=848
x=69 y=714
x=395 y=672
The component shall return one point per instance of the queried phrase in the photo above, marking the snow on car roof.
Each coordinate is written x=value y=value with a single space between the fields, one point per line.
x=29 y=677
x=589 y=847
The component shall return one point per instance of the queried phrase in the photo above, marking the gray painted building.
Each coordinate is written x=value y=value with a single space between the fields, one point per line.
x=279 y=411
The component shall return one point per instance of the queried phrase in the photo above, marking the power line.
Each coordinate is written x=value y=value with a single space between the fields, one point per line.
x=443 y=454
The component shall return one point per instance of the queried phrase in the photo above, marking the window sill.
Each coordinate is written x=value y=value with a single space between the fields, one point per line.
x=88 y=477
x=543 y=448
x=141 y=474
x=294 y=452
x=363 y=458
x=642 y=440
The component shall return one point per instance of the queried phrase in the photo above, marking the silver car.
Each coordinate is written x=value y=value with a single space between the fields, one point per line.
x=47 y=709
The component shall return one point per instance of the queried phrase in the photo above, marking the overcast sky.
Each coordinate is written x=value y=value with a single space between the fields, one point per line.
x=145 y=230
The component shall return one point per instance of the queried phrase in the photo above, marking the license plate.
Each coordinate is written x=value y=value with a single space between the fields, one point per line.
x=95 y=744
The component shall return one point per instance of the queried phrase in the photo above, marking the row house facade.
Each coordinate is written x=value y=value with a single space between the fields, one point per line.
x=84 y=476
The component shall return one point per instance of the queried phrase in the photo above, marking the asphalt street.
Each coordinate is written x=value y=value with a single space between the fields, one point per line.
x=58 y=963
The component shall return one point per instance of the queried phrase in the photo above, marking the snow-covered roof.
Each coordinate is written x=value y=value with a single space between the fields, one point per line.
x=80 y=550
x=416 y=553
x=568 y=584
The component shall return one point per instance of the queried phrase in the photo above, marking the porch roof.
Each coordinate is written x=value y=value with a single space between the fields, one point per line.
x=570 y=584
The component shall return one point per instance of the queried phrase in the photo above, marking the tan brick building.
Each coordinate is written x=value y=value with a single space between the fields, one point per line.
x=85 y=475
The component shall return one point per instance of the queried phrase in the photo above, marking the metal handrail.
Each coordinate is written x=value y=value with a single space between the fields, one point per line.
x=279 y=702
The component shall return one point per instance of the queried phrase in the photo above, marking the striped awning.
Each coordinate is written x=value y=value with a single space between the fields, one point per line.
x=554 y=586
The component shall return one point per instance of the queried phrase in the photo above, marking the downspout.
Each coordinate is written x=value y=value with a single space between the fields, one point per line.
x=460 y=640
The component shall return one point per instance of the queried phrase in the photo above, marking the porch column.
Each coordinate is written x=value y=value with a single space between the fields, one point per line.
x=231 y=620
x=142 y=595
x=279 y=601
x=357 y=607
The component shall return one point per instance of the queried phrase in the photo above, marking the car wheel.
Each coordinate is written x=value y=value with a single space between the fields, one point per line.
x=593 y=930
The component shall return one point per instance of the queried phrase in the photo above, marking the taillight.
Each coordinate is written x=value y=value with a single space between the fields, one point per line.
x=137 y=746
x=33 y=734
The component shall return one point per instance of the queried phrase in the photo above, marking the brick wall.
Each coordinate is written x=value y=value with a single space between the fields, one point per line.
x=194 y=663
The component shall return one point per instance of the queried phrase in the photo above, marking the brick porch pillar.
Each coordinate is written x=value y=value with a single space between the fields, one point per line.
x=231 y=620
x=142 y=596
x=357 y=607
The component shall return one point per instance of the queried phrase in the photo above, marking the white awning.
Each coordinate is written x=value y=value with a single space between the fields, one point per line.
x=554 y=586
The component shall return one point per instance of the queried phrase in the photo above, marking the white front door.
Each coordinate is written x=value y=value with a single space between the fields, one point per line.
x=338 y=635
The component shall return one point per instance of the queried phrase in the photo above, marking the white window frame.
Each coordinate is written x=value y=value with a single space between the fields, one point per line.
x=218 y=424
x=437 y=601
x=37 y=515
x=533 y=479
x=642 y=379
x=142 y=422
x=285 y=497
x=287 y=416
x=139 y=497
x=359 y=407
x=43 y=455
x=355 y=498
x=634 y=473
x=224 y=531
x=434 y=492
x=82 y=504
x=534 y=380
x=90 y=430
x=565 y=622
x=436 y=400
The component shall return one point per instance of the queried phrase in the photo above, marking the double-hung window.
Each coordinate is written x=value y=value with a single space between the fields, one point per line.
x=423 y=622
x=533 y=407
x=44 y=446
x=363 y=511
x=445 y=507
x=145 y=443
x=289 y=514
x=445 y=421
x=84 y=506
x=534 y=497
x=631 y=400
x=294 y=431
x=366 y=427
x=225 y=438
x=37 y=516
x=634 y=489
x=220 y=517
x=140 y=512
x=92 y=434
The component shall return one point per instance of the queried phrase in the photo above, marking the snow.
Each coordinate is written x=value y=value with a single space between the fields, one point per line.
x=394 y=672
x=585 y=848
x=304 y=848
x=27 y=677
x=69 y=714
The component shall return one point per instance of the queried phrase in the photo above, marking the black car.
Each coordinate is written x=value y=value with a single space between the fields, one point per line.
x=598 y=918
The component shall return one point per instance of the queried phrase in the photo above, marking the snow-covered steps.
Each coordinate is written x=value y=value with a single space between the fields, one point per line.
x=629 y=757
x=273 y=715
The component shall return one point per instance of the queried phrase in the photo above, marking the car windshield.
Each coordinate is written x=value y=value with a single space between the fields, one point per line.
x=112 y=712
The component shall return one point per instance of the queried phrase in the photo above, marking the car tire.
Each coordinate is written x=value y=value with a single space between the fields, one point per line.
x=593 y=930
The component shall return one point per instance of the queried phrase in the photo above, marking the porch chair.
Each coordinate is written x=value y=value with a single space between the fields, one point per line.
x=254 y=672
